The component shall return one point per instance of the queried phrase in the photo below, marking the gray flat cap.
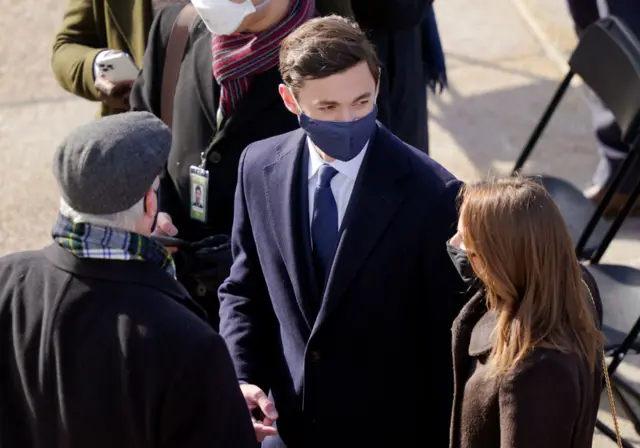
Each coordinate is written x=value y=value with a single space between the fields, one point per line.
x=108 y=165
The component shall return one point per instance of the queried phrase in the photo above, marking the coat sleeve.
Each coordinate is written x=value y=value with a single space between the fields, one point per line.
x=247 y=320
x=75 y=48
x=205 y=407
x=539 y=405
x=445 y=291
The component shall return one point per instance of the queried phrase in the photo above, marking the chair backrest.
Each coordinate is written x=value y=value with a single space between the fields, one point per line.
x=608 y=61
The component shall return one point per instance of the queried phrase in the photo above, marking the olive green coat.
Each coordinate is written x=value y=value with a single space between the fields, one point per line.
x=91 y=26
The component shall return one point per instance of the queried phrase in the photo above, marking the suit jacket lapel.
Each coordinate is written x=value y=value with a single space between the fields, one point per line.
x=283 y=182
x=376 y=197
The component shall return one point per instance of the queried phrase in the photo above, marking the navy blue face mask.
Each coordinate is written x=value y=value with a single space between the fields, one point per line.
x=341 y=140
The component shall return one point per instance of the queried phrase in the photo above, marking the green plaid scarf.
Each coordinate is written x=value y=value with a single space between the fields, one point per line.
x=91 y=241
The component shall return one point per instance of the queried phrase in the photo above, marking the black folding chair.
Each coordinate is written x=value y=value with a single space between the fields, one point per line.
x=608 y=60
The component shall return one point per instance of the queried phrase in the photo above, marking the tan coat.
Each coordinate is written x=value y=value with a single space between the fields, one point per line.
x=91 y=26
x=551 y=400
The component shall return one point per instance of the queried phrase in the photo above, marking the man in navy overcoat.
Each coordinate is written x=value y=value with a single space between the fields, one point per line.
x=341 y=296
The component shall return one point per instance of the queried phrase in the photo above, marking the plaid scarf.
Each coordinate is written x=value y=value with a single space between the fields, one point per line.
x=91 y=241
x=238 y=57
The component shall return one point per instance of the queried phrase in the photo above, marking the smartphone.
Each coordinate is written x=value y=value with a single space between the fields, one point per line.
x=169 y=241
x=118 y=67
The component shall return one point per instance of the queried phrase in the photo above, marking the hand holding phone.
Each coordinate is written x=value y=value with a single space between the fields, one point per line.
x=114 y=73
x=116 y=67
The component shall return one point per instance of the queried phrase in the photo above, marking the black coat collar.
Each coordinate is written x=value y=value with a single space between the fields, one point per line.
x=122 y=271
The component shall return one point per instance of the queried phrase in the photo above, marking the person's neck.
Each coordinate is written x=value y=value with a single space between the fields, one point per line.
x=274 y=12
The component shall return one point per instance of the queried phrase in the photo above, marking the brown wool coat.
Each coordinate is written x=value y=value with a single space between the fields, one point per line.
x=550 y=400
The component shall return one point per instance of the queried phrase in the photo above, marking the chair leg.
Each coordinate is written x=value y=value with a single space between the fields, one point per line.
x=621 y=351
x=626 y=387
x=604 y=429
x=628 y=409
x=620 y=385
x=623 y=214
x=542 y=124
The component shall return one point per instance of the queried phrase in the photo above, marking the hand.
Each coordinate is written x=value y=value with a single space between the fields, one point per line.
x=165 y=227
x=257 y=401
x=114 y=95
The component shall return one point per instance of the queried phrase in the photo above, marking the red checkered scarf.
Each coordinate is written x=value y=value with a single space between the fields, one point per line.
x=237 y=58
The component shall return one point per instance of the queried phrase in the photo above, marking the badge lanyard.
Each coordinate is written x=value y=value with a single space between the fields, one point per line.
x=199 y=179
x=199 y=188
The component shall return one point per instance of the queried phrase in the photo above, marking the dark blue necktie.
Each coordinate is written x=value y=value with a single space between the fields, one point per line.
x=324 y=224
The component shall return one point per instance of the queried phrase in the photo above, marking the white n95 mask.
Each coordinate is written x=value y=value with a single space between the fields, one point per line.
x=223 y=16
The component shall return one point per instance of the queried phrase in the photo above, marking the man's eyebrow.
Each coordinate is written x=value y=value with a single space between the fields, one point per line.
x=364 y=96
x=326 y=103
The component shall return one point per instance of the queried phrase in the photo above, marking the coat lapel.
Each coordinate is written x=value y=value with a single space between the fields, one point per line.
x=461 y=332
x=204 y=78
x=376 y=197
x=481 y=341
x=282 y=183
x=132 y=21
x=254 y=105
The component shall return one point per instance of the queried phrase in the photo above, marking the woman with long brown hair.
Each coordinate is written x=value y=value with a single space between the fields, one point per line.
x=527 y=346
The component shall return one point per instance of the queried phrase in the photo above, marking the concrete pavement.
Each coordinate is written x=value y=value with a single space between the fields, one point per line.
x=504 y=57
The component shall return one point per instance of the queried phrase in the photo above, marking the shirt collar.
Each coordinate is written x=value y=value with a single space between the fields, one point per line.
x=349 y=168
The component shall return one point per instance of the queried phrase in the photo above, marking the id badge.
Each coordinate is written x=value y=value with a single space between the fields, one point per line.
x=199 y=186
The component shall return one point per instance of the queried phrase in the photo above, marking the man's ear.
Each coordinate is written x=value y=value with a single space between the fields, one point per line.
x=288 y=99
x=149 y=201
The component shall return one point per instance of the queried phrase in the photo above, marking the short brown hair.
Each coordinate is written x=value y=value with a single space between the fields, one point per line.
x=325 y=46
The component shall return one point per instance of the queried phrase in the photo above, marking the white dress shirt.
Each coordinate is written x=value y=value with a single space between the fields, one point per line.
x=341 y=184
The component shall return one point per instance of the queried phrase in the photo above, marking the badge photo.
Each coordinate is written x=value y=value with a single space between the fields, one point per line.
x=199 y=182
